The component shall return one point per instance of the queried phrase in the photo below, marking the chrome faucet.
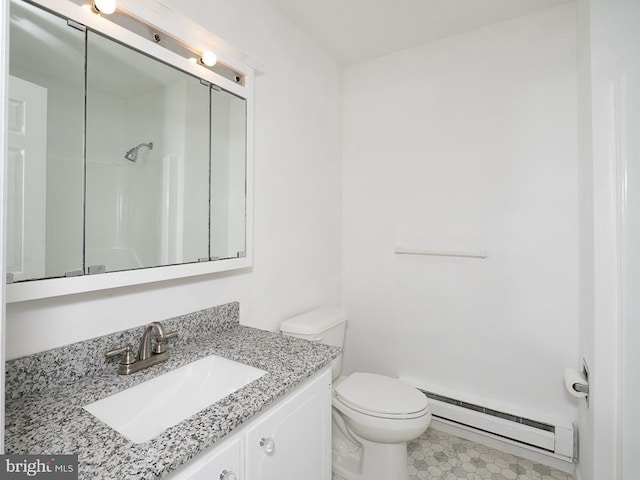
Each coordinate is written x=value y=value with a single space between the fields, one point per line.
x=148 y=354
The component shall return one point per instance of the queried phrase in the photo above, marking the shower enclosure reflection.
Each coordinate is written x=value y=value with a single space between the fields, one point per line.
x=150 y=206
x=149 y=171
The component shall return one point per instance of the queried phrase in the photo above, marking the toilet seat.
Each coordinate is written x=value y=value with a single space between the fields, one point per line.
x=381 y=396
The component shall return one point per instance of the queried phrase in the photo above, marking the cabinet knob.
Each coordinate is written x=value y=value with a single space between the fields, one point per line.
x=269 y=445
x=227 y=475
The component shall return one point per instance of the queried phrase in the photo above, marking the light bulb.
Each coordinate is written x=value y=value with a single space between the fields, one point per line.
x=209 y=58
x=105 y=6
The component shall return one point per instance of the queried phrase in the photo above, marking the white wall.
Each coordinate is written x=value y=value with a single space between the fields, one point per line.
x=297 y=199
x=64 y=177
x=106 y=177
x=228 y=151
x=194 y=237
x=220 y=125
x=468 y=143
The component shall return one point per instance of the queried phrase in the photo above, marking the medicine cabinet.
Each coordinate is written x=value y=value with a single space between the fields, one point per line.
x=129 y=160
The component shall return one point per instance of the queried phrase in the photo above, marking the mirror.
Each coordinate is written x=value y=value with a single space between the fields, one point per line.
x=147 y=160
x=46 y=144
x=228 y=175
x=149 y=171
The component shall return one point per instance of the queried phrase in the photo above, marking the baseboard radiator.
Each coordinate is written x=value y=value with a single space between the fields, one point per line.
x=556 y=440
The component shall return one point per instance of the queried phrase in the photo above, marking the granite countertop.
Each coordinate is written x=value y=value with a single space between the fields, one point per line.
x=52 y=420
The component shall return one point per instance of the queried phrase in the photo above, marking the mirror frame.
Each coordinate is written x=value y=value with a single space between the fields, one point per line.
x=180 y=27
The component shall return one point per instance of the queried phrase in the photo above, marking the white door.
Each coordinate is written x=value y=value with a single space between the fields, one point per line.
x=26 y=179
x=630 y=277
x=293 y=441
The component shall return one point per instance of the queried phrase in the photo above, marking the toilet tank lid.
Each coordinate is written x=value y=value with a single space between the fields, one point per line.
x=314 y=322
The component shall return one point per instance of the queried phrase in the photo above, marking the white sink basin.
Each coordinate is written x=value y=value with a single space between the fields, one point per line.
x=143 y=412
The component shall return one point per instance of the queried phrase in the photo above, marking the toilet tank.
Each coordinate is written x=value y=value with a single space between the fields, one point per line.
x=324 y=325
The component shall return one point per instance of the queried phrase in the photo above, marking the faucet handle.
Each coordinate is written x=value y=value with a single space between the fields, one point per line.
x=171 y=335
x=161 y=344
x=127 y=354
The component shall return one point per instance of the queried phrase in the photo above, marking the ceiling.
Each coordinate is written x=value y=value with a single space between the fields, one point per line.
x=353 y=31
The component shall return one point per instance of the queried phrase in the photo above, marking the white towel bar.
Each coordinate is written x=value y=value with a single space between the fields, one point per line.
x=439 y=253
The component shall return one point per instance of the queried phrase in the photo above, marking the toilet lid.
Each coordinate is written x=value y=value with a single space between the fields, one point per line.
x=380 y=395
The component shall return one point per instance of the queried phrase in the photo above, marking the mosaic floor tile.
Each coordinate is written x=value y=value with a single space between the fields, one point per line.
x=438 y=455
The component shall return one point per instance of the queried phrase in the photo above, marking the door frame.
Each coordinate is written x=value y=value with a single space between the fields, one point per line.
x=4 y=70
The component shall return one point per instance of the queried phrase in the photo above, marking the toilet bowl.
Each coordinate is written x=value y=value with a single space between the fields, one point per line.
x=374 y=416
x=382 y=409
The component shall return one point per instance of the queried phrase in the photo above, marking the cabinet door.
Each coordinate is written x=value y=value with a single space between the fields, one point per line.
x=293 y=440
x=225 y=459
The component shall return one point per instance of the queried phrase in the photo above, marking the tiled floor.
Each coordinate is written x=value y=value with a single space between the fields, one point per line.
x=439 y=456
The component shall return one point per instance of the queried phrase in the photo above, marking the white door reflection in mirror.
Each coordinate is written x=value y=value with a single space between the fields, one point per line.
x=26 y=179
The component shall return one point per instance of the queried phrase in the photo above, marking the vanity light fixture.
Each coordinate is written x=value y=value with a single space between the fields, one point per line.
x=208 y=58
x=124 y=19
x=106 y=7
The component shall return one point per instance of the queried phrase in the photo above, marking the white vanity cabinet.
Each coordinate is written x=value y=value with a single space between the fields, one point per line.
x=292 y=441
x=223 y=462
x=289 y=440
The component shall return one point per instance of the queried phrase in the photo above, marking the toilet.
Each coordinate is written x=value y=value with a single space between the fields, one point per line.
x=374 y=416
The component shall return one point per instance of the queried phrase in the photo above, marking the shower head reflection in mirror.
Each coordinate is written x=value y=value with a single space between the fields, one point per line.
x=132 y=154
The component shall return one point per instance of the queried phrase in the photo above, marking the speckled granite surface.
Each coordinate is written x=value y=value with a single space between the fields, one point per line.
x=46 y=393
